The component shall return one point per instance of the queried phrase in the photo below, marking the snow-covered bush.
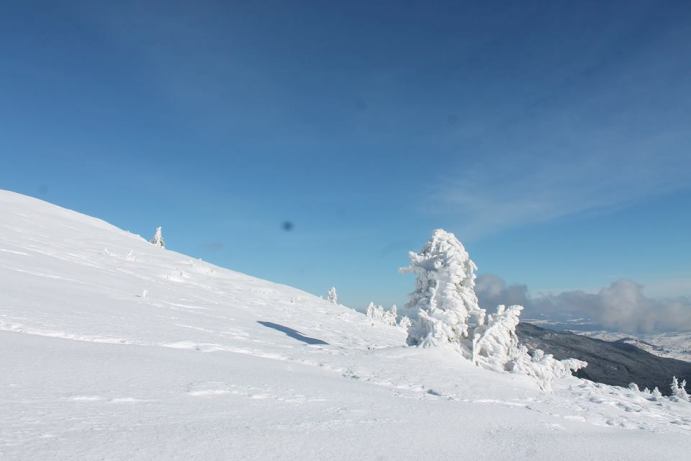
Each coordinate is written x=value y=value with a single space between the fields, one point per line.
x=377 y=314
x=496 y=344
x=405 y=323
x=374 y=312
x=679 y=389
x=445 y=311
x=332 y=296
x=391 y=316
x=157 y=239
x=543 y=367
x=496 y=347
x=444 y=298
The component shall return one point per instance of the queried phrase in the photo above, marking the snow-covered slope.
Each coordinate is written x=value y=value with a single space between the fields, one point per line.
x=112 y=348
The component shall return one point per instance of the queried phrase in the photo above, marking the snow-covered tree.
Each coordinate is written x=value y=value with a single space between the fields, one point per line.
x=405 y=323
x=391 y=316
x=496 y=344
x=377 y=314
x=444 y=300
x=445 y=310
x=332 y=296
x=679 y=389
x=157 y=239
x=374 y=313
x=543 y=367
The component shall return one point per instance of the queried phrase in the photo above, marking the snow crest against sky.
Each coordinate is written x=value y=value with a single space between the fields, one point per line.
x=551 y=137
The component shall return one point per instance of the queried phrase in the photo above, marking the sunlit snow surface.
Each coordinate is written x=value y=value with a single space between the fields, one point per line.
x=112 y=348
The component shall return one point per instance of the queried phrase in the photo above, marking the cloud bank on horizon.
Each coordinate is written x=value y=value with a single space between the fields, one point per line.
x=621 y=306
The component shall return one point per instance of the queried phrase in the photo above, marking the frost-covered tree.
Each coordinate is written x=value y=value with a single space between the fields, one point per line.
x=373 y=312
x=377 y=314
x=444 y=299
x=405 y=323
x=445 y=310
x=543 y=367
x=391 y=316
x=679 y=389
x=157 y=239
x=496 y=344
x=332 y=296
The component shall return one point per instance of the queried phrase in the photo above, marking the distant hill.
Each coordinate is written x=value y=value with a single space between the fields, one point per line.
x=673 y=345
x=616 y=363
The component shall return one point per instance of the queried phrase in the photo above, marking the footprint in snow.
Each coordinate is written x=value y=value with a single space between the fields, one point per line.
x=85 y=398
x=208 y=392
x=128 y=400
x=208 y=389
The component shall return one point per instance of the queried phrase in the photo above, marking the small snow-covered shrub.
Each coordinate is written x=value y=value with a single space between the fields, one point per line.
x=157 y=239
x=679 y=390
x=332 y=296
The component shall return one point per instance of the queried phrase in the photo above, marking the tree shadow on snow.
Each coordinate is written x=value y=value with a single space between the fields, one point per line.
x=292 y=333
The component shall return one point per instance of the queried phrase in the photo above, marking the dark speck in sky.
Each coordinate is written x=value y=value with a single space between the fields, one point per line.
x=287 y=226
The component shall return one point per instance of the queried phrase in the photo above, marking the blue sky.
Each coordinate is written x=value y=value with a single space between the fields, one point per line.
x=554 y=138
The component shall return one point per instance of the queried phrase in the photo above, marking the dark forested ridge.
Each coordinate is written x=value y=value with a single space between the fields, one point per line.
x=616 y=363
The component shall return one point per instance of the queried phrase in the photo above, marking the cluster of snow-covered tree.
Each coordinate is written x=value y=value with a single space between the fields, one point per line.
x=444 y=311
x=679 y=390
x=678 y=394
x=377 y=314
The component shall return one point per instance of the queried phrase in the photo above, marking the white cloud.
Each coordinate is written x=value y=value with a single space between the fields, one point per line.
x=622 y=306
